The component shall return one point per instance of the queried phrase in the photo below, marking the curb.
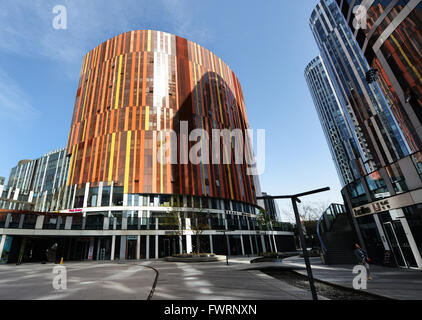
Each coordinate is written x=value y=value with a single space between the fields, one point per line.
x=151 y=293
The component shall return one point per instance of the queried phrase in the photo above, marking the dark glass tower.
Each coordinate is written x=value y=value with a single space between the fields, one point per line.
x=385 y=197
x=331 y=116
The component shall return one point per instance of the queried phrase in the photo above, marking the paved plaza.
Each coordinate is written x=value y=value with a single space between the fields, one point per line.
x=134 y=281
x=241 y=280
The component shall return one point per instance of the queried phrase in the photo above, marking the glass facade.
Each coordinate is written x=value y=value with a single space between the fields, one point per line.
x=375 y=72
x=392 y=44
x=331 y=117
x=367 y=114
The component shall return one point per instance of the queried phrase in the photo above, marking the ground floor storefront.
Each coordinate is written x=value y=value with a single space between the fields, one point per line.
x=22 y=248
x=393 y=237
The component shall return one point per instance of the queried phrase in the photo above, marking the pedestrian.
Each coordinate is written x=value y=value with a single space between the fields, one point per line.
x=363 y=259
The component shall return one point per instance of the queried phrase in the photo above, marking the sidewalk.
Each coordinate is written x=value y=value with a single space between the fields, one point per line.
x=394 y=283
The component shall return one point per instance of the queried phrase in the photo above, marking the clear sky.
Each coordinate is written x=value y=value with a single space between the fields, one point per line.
x=266 y=43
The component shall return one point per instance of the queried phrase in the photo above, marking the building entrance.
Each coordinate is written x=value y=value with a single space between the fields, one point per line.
x=399 y=244
x=169 y=247
x=131 y=250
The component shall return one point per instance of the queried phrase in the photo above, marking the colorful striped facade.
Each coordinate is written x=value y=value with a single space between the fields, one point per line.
x=135 y=85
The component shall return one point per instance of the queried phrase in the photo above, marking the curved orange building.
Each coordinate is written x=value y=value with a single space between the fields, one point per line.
x=135 y=85
x=122 y=198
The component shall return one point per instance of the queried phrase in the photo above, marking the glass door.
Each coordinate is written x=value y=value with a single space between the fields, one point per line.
x=167 y=248
x=394 y=244
x=399 y=244
x=404 y=244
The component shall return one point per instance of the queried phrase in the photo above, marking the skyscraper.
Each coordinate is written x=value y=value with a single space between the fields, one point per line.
x=331 y=116
x=41 y=181
x=385 y=198
x=391 y=40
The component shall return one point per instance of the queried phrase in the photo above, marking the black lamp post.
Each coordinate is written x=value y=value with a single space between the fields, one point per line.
x=295 y=198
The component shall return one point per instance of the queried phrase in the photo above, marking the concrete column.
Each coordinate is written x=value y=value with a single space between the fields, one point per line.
x=181 y=244
x=381 y=232
x=211 y=245
x=188 y=237
x=91 y=249
x=156 y=246
x=241 y=242
x=86 y=195
x=138 y=247
x=271 y=243
x=21 y=219
x=39 y=222
x=98 y=248
x=106 y=223
x=147 y=248
x=250 y=241
x=264 y=248
x=100 y=194
x=124 y=223
x=73 y=197
x=113 y=245
x=188 y=243
x=122 y=254
x=275 y=243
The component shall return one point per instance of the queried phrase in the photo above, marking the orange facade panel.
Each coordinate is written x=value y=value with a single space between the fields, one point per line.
x=137 y=83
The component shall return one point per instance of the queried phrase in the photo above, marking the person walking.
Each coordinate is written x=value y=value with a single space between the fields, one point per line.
x=363 y=259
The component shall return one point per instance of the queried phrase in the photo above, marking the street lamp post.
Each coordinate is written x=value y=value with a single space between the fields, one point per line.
x=295 y=199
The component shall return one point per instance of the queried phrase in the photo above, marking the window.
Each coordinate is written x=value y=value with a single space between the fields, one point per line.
x=105 y=198
x=92 y=197
x=397 y=179
x=417 y=160
x=357 y=194
x=117 y=196
x=377 y=186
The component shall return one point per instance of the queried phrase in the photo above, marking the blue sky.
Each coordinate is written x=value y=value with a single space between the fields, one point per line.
x=266 y=43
